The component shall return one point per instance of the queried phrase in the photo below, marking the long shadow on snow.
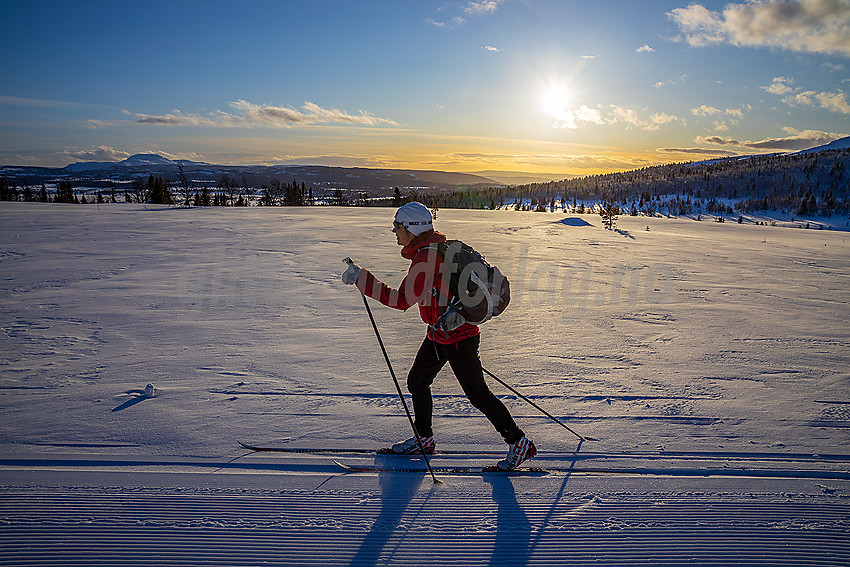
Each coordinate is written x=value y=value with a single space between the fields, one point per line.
x=397 y=491
x=513 y=528
x=514 y=545
x=138 y=396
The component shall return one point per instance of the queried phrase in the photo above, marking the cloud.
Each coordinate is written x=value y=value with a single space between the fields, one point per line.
x=93 y=124
x=589 y=56
x=571 y=118
x=455 y=22
x=645 y=48
x=42 y=102
x=698 y=151
x=812 y=26
x=836 y=102
x=612 y=114
x=472 y=9
x=717 y=140
x=61 y=158
x=705 y=110
x=632 y=117
x=493 y=49
x=482 y=7
x=100 y=153
x=796 y=141
x=780 y=86
x=661 y=118
x=553 y=161
x=792 y=96
x=250 y=114
x=310 y=113
x=670 y=82
x=735 y=114
x=176 y=118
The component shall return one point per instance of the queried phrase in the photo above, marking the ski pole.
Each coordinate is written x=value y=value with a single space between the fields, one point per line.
x=546 y=413
x=398 y=387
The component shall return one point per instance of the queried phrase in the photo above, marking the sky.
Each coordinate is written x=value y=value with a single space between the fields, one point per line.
x=540 y=86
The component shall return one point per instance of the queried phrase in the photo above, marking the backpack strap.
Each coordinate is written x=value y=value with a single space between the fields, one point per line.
x=450 y=306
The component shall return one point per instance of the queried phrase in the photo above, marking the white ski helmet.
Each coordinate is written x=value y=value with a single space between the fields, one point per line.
x=415 y=217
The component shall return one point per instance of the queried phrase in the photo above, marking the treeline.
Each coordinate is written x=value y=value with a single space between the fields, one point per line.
x=155 y=190
x=815 y=183
x=64 y=194
x=803 y=184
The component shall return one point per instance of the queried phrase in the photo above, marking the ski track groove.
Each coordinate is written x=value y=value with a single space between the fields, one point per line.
x=97 y=527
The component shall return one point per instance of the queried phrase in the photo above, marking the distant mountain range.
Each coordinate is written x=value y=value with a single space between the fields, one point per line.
x=107 y=174
x=138 y=160
x=104 y=174
x=154 y=160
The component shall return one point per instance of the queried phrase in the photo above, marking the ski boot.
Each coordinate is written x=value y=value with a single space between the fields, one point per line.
x=410 y=447
x=518 y=453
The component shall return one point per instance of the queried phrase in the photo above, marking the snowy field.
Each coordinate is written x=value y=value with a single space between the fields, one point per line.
x=710 y=361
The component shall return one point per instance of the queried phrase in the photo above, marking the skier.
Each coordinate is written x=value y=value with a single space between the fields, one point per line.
x=414 y=231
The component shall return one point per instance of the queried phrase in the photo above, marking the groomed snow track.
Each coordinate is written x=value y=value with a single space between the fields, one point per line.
x=299 y=513
x=325 y=528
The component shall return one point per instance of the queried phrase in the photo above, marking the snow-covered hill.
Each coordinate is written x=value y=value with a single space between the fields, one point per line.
x=134 y=161
x=840 y=144
x=709 y=360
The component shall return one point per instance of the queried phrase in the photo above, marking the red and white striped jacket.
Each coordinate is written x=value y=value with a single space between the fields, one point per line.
x=416 y=287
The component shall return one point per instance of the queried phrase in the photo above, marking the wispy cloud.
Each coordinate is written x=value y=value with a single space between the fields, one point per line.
x=41 y=102
x=814 y=26
x=548 y=160
x=177 y=118
x=469 y=10
x=310 y=113
x=455 y=22
x=249 y=114
x=698 y=151
x=794 y=96
x=493 y=49
x=717 y=140
x=671 y=82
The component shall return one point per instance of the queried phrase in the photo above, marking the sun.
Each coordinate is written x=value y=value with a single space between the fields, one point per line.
x=555 y=100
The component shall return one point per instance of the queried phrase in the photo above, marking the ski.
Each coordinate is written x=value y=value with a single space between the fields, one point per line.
x=525 y=471
x=336 y=451
x=537 y=471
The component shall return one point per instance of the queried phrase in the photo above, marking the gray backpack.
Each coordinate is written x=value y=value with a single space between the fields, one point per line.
x=477 y=290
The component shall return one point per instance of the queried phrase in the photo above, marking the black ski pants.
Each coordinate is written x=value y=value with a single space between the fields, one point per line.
x=466 y=365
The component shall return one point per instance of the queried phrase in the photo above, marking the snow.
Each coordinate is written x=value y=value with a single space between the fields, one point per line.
x=709 y=360
x=840 y=144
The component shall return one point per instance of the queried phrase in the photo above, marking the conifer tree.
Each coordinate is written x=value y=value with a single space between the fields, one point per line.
x=65 y=192
x=609 y=210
